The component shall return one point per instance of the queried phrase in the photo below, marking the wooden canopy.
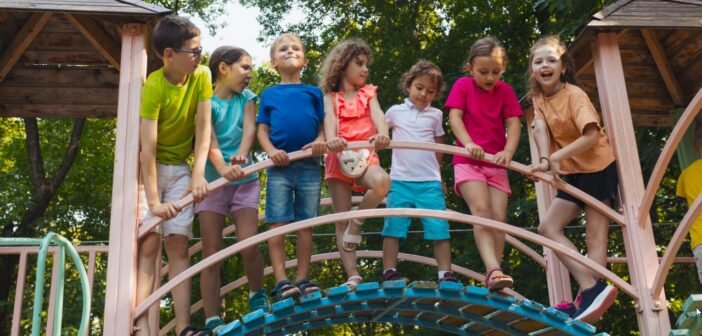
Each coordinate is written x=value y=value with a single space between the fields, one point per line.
x=61 y=58
x=661 y=50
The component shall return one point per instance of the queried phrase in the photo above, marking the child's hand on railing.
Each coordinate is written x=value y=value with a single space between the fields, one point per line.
x=165 y=210
x=318 y=147
x=198 y=187
x=381 y=141
x=336 y=144
x=475 y=152
x=503 y=158
x=279 y=157
x=233 y=171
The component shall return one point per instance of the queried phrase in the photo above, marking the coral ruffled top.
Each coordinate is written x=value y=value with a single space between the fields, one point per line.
x=355 y=123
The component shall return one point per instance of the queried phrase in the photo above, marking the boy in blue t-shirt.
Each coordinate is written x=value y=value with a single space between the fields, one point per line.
x=290 y=118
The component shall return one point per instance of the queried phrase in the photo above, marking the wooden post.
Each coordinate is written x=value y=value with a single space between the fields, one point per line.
x=557 y=275
x=121 y=271
x=642 y=259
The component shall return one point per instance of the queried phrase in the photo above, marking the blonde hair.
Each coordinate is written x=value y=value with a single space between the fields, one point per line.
x=486 y=46
x=423 y=68
x=567 y=77
x=290 y=36
x=337 y=61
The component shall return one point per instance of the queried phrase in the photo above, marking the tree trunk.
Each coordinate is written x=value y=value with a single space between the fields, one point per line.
x=44 y=190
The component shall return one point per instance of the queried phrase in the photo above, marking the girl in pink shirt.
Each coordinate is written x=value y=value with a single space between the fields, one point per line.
x=480 y=107
x=352 y=113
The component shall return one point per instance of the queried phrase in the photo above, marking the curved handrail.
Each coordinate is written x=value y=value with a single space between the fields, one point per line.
x=64 y=245
x=446 y=149
x=675 y=137
x=539 y=259
x=363 y=214
x=335 y=256
x=674 y=246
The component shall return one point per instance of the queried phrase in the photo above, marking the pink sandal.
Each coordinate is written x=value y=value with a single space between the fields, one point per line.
x=498 y=282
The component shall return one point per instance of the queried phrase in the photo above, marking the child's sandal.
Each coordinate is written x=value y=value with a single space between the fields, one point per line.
x=285 y=290
x=352 y=282
x=498 y=282
x=192 y=331
x=306 y=286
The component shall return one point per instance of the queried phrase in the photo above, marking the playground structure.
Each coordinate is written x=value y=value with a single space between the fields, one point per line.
x=614 y=57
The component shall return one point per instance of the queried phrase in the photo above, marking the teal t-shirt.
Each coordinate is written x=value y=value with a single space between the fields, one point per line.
x=175 y=108
x=228 y=126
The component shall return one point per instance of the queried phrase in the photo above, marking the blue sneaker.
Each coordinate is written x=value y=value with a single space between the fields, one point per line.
x=595 y=301
x=213 y=325
x=566 y=307
x=259 y=301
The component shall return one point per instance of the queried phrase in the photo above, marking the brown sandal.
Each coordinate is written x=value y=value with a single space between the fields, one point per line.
x=498 y=282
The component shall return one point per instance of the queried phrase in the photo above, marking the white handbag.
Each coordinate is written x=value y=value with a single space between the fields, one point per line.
x=353 y=162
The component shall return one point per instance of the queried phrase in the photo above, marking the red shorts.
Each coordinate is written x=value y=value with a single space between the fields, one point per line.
x=332 y=170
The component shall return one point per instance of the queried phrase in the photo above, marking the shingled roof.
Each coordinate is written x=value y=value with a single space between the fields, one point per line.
x=660 y=42
x=128 y=7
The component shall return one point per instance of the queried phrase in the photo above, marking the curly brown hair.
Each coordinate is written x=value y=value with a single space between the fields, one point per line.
x=570 y=74
x=423 y=68
x=336 y=62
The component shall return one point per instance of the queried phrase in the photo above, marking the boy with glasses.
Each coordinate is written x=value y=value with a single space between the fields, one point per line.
x=175 y=122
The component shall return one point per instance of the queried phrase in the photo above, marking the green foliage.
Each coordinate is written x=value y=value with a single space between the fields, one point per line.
x=208 y=11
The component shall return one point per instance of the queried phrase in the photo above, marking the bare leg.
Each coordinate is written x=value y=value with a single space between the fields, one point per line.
x=498 y=202
x=442 y=253
x=477 y=195
x=276 y=250
x=596 y=234
x=378 y=183
x=149 y=246
x=246 y=221
x=303 y=252
x=391 y=247
x=341 y=201
x=211 y=224
x=179 y=261
x=559 y=214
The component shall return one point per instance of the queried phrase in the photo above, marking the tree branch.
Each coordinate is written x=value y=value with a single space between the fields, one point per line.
x=70 y=157
x=36 y=163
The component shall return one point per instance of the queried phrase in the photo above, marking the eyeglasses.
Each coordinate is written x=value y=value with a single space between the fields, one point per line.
x=194 y=52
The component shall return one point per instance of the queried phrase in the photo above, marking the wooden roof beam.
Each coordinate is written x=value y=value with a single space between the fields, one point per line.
x=589 y=62
x=19 y=44
x=97 y=37
x=666 y=71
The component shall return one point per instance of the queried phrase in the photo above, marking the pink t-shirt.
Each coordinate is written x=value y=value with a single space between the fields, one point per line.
x=484 y=114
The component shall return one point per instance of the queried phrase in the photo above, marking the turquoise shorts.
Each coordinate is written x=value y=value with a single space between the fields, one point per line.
x=418 y=195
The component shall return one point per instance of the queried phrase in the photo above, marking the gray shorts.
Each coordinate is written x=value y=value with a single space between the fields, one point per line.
x=697 y=252
x=172 y=182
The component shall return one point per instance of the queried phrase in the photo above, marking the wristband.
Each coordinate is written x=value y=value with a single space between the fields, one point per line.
x=547 y=160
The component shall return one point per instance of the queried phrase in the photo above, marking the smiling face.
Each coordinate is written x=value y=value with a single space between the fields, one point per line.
x=422 y=91
x=487 y=70
x=356 y=72
x=288 y=55
x=547 y=69
x=235 y=76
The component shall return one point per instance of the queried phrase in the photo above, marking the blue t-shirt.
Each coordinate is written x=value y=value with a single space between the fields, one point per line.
x=293 y=112
x=228 y=126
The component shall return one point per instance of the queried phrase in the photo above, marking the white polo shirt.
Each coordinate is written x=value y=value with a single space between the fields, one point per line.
x=408 y=123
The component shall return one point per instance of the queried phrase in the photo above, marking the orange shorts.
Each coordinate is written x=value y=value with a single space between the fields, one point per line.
x=332 y=170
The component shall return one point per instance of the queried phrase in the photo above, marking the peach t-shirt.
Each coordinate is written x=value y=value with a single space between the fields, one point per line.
x=567 y=113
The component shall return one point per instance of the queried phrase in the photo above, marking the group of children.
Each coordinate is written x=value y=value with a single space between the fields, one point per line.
x=182 y=114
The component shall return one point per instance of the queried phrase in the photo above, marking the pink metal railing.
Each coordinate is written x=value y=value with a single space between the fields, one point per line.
x=24 y=252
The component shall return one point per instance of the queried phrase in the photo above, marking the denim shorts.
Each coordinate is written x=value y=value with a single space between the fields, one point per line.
x=293 y=191
x=419 y=195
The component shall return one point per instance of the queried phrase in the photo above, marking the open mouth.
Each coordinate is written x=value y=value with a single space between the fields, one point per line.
x=546 y=75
